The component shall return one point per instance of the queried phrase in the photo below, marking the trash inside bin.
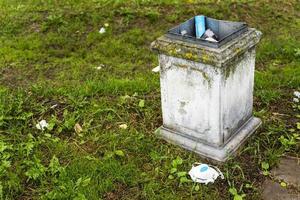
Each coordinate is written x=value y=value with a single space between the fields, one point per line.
x=216 y=34
x=200 y=25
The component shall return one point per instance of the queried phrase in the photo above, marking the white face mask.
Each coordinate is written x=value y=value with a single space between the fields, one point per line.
x=204 y=173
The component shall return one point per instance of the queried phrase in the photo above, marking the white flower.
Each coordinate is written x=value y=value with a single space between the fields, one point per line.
x=42 y=125
x=296 y=100
x=106 y=24
x=297 y=94
x=102 y=30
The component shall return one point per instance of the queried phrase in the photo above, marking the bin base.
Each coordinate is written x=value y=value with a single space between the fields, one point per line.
x=216 y=153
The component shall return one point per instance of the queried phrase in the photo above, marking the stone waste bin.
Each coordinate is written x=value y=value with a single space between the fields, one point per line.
x=207 y=87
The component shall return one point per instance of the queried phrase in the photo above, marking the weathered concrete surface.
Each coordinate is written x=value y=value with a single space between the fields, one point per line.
x=205 y=149
x=273 y=191
x=190 y=94
x=236 y=94
x=204 y=102
x=288 y=170
x=208 y=107
x=208 y=55
x=207 y=94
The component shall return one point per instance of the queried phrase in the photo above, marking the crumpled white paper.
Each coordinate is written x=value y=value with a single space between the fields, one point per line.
x=42 y=125
x=296 y=99
x=297 y=94
x=203 y=173
x=102 y=30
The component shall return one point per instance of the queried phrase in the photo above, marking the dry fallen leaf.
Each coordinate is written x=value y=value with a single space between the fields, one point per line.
x=78 y=128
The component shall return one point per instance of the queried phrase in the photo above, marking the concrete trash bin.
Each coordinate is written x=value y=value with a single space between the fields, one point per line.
x=207 y=87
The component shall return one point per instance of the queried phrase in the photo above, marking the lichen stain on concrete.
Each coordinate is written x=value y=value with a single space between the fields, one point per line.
x=231 y=66
x=217 y=57
x=181 y=65
x=181 y=109
x=205 y=76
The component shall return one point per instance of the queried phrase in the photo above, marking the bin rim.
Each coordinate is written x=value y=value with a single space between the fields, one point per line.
x=186 y=38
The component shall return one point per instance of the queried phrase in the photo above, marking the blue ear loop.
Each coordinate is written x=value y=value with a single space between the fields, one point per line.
x=199 y=25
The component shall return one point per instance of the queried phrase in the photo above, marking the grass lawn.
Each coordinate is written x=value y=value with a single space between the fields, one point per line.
x=55 y=65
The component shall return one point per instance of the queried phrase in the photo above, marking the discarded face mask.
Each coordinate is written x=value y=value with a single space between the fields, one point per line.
x=204 y=173
x=199 y=25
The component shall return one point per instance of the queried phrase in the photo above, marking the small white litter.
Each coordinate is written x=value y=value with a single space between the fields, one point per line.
x=211 y=39
x=99 y=67
x=123 y=126
x=42 y=125
x=203 y=173
x=102 y=30
x=297 y=94
x=183 y=32
x=296 y=100
x=209 y=35
x=54 y=106
x=156 y=69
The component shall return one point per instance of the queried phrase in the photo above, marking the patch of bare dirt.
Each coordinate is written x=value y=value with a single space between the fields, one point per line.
x=15 y=77
x=117 y=193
